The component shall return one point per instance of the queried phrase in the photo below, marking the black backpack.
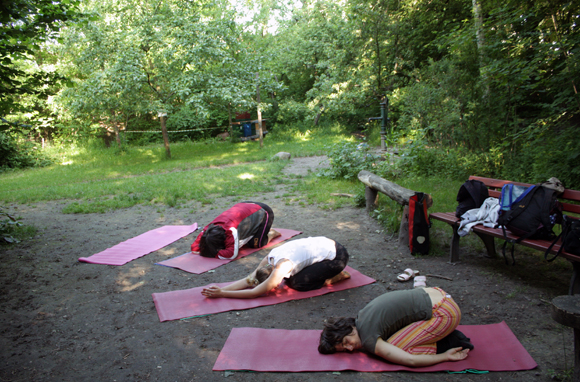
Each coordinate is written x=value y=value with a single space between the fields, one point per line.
x=471 y=195
x=532 y=217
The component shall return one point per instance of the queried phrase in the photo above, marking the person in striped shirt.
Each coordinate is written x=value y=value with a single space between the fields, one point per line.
x=414 y=328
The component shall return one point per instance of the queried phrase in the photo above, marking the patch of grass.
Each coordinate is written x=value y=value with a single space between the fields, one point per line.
x=101 y=167
x=170 y=188
x=318 y=190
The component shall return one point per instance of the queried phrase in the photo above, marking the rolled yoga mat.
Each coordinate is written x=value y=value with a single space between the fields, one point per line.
x=140 y=245
x=198 y=264
x=278 y=350
x=191 y=303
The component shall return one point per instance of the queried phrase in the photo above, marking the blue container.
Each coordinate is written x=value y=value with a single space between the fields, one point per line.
x=247 y=127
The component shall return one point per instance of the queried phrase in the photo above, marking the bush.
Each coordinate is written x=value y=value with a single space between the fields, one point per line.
x=25 y=154
x=291 y=111
x=421 y=160
x=348 y=159
x=11 y=230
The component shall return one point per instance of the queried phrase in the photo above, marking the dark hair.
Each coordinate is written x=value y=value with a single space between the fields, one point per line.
x=333 y=333
x=212 y=241
x=263 y=273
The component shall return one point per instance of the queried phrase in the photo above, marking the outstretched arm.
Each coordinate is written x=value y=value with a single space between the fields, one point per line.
x=399 y=356
x=270 y=283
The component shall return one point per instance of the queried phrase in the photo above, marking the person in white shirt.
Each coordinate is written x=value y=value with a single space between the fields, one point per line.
x=304 y=264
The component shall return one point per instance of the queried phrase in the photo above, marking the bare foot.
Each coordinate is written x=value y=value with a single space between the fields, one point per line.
x=273 y=234
x=339 y=277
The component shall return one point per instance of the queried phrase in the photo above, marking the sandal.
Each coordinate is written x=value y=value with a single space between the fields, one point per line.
x=407 y=275
x=420 y=282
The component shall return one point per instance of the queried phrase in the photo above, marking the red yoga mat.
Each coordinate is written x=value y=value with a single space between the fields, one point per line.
x=277 y=350
x=198 y=264
x=190 y=302
x=140 y=245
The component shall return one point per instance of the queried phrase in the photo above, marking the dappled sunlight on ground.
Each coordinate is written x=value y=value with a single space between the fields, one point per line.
x=246 y=176
x=132 y=279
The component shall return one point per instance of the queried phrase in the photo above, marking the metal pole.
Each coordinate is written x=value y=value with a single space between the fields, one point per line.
x=383 y=125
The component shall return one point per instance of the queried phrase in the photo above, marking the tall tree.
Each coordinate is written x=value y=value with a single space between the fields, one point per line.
x=24 y=26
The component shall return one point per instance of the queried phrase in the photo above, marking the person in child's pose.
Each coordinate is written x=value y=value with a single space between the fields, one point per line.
x=245 y=224
x=305 y=264
x=409 y=327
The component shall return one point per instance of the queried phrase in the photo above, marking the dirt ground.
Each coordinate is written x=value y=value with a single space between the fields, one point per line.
x=62 y=320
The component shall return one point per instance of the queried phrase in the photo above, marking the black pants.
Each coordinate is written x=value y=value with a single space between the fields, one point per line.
x=314 y=276
x=260 y=239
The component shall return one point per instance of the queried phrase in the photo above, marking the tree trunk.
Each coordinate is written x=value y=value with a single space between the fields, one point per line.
x=116 y=128
x=318 y=115
x=230 y=129
x=162 y=118
x=479 y=35
x=259 y=113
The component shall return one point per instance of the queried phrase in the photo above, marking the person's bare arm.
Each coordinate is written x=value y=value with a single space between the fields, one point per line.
x=270 y=283
x=396 y=355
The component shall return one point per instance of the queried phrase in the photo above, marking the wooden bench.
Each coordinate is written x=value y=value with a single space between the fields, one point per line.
x=487 y=235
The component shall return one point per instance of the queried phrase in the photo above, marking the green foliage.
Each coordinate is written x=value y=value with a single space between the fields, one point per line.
x=23 y=28
x=545 y=150
x=348 y=159
x=290 y=111
x=20 y=155
x=7 y=227
x=418 y=159
x=12 y=230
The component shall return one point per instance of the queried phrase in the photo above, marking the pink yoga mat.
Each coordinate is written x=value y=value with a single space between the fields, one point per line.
x=140 y=245
x=198 y=264
x=277 y=350
x=190 y=302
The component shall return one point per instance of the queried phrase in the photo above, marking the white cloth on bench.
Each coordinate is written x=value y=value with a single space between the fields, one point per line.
x=487 y=215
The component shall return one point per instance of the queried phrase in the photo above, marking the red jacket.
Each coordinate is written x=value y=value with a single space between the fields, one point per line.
x=230 y=218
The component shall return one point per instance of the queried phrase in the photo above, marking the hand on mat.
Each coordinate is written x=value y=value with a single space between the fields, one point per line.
x=456 y=354
x=212 y=292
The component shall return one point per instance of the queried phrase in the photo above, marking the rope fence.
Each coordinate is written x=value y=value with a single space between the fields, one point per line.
x=172 y=131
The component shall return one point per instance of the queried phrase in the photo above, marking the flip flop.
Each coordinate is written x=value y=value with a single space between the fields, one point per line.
x=420 y=282
x=407 y=275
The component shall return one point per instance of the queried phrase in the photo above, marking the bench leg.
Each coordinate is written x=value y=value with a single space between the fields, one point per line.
x=454 y=252
x=372 y=198
x=489 y=244
x=575 y=282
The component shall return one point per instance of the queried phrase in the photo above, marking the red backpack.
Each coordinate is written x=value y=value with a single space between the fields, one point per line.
x=419 y=224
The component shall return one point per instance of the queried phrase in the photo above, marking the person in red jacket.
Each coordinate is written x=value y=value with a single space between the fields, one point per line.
x=245 y=224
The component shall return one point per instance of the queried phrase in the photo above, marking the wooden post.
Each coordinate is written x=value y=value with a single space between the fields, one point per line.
x=372 y=198
x=259 y=111
x=162 y=117
x=404 y=228
x=566 y=311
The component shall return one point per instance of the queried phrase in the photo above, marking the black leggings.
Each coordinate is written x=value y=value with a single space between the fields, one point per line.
x=313 y=276
x=260 y=239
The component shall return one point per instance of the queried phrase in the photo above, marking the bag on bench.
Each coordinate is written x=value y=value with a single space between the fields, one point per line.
x=570 y=238
x=532 y=213
x=471 y=195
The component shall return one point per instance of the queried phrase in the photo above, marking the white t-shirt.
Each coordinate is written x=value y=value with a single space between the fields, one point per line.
x=303 y=252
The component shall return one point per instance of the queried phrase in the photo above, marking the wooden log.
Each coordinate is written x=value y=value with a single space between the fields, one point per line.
x=399 y=194
x=566 y=311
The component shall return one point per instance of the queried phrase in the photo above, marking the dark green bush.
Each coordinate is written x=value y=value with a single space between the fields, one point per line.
x=20 y=155
x=348 y=159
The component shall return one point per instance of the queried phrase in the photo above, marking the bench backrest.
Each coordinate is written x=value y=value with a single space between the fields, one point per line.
x=494 y=186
